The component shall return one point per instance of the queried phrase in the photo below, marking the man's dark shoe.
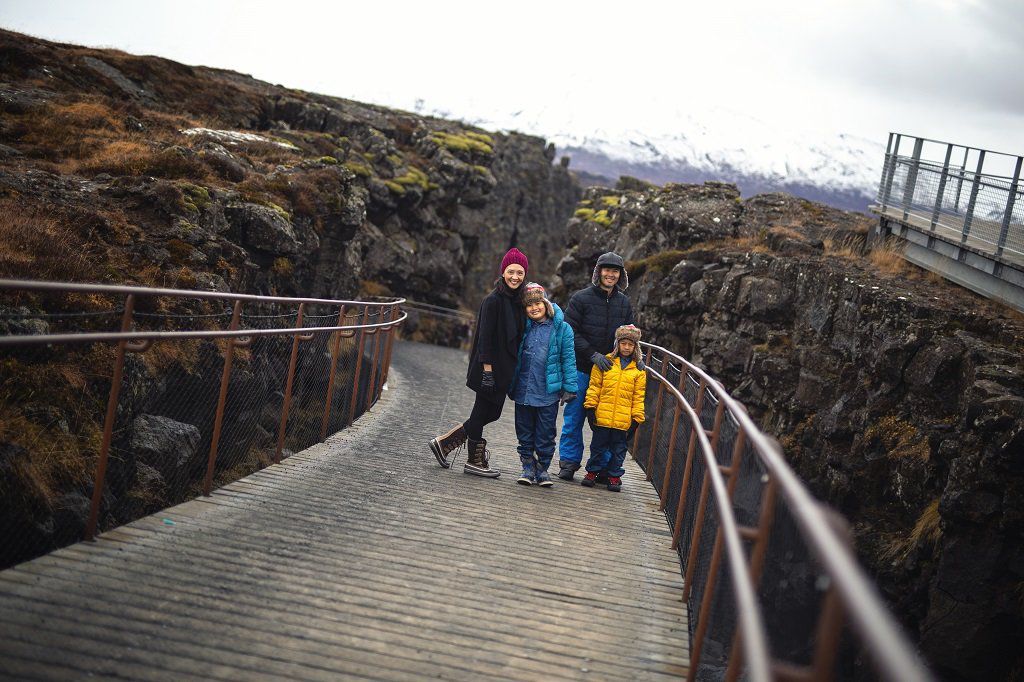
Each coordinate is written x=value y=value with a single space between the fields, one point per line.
x=614 y=484
x=589 y=480
x=443 y=446
x=566 y=473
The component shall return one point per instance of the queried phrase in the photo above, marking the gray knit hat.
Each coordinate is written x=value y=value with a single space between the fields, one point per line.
x=611 y=260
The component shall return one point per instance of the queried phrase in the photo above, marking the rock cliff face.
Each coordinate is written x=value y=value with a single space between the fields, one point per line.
x=122 y=169
x=899 y=398
x=168 y=174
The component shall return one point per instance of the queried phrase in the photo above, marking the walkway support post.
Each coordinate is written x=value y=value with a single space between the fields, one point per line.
x=677 y=527
x=222 y=396
x=359 y=367
x=297 y=338
x=123 y=346
x=1008 y=213
x=975 y=186
x=335 y=352
x=942 y=188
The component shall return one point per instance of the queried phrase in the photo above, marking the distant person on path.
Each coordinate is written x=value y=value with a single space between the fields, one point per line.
x=492 y=365
x=545 y=376
x=594 y=313
x=615 y=408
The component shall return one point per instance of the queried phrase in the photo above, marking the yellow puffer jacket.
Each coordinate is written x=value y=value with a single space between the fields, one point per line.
x=618 y=394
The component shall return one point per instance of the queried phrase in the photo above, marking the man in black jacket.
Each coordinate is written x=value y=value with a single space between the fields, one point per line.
x=594 y=313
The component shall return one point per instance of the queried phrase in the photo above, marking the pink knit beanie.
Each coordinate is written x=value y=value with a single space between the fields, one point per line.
x=514 y=256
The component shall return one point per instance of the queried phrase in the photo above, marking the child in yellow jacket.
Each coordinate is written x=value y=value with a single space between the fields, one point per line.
x=615 y=407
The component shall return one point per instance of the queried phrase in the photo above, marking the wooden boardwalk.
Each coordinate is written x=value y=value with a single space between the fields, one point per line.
x=360 y=558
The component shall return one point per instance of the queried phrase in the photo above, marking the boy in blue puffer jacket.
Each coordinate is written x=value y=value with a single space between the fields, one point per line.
x=544 y=376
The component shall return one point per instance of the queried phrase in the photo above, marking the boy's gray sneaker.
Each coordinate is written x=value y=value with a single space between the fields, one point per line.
x=544 y=480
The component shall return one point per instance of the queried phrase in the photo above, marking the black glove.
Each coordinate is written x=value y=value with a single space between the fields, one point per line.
x=487 y=381
x=592 y=417
x=601 y=361
x=567 y=397
x=632 y=429
x=640 y=364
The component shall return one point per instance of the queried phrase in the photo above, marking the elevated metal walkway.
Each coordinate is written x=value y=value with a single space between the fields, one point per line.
x=961 y=217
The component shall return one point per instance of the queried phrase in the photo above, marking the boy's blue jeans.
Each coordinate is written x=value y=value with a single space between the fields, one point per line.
x=607 y=451
x=535 y=429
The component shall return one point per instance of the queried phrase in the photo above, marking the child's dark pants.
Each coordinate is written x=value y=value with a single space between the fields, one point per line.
x=535 y=429
x=607 y=451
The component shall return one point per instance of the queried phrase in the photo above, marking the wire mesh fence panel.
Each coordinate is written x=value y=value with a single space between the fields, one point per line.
x=53 y=401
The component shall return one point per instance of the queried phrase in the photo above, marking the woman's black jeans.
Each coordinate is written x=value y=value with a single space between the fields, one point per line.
x=484 y=412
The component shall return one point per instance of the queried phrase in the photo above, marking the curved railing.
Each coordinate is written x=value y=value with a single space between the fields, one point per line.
x=305 y=374
x=780 y=610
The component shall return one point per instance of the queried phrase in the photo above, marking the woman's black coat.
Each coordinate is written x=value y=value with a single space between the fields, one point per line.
x=499 y=330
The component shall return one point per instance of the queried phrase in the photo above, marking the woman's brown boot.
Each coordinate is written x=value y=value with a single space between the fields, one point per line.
x=446 y=444
x=477 y=464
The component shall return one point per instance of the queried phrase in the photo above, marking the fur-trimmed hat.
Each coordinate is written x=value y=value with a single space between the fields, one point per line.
x=627 y=331
x=514 y=256
x=611 y=260
x=532 y=293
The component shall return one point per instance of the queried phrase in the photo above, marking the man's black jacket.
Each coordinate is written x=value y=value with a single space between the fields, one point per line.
x=594 y=314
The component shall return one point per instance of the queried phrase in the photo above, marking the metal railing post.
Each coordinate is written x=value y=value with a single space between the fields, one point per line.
x=654 y=429
x=882 y=198
x=108 y=421
x=289 y=383
x=942 y=187
x=688 y=469
x=975 y=186
x=911 y=183
x=359 y=367
x=371 y=384
x=891 y=170
x=716 y=559
x=670 y=458
x=766 y=517
x=336 y=351
x=698 y=528
x=218 y=420
x=1010 y=201
x=392 y=332
x=636 y=436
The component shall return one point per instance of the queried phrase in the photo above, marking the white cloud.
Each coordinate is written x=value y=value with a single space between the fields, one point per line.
x=933 y=67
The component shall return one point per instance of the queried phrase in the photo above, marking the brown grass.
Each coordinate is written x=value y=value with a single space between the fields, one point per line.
x=900 y=438
x=36 y=243
x=927 y=529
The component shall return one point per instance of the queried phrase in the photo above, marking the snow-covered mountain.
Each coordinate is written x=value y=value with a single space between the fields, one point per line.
x=692 y=146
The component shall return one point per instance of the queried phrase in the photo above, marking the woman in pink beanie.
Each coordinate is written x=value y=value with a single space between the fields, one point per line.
x=492 y=364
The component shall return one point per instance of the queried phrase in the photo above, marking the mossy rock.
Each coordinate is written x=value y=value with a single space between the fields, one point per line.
x=414 y=176
x=610 y=200
x=195 y=198
x=461 y=143
x=329 y=160
x=602 y=218
x=659 y=262
x=359 y=169
x=283 y=267
x=586 y=213
x=395 y=187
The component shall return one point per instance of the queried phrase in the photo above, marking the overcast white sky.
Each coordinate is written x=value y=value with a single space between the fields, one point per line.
x=947 y=69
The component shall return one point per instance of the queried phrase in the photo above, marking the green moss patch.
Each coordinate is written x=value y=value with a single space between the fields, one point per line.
x=660 y=262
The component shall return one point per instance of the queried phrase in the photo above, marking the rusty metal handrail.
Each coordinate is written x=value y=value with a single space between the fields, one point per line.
x=751 y=624
x=82 y=288
x=886 y=643
x=137 y=342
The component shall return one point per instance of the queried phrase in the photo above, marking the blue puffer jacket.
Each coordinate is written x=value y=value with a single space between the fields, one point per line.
x=561 y=367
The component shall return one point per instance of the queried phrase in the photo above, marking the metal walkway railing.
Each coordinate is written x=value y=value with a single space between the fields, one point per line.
x=779 y=608
x=302 y=386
